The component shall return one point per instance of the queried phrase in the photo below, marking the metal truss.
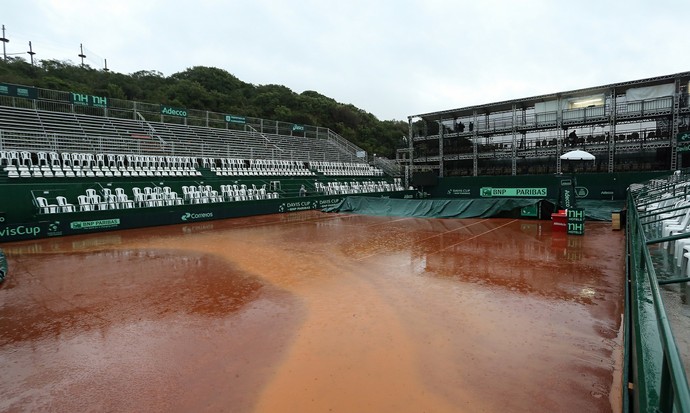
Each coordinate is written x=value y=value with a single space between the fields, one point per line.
x=508 y=124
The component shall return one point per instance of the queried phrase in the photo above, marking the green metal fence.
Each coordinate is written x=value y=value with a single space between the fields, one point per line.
x=655 y=372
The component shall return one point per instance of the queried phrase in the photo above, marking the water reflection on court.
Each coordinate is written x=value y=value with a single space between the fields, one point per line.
x=315 y=312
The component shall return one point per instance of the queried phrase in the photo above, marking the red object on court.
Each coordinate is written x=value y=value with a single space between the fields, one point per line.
x=559 y=221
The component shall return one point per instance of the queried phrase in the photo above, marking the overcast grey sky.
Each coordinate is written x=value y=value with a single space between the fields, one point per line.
x=390 y=58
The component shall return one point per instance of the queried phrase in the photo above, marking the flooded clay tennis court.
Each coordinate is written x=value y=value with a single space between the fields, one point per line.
x=314 y=312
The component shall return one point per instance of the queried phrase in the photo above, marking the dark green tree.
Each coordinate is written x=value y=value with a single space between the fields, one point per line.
x=214 y=89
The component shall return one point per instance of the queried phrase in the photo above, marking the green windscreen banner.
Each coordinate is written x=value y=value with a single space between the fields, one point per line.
x=576 y=221
x=567 y=198
x=18 y=91
x=88 y=100
x=171 y=111
x=235 y=119
x=489 y=192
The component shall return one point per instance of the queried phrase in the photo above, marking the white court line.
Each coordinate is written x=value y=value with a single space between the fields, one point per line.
x=346 y=215
x=448 y=232
x=427 y=238
x=388 y=222
x=476 y=236
x=262 y=224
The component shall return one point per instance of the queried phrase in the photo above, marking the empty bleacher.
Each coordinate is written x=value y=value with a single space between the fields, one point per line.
x=129 y=160
x=152 y=195
x=256 y=167
x=358 y=187
x=28 y=164
x=151 y=163
x=25 y=164
x=40 y=130
x=346 y=169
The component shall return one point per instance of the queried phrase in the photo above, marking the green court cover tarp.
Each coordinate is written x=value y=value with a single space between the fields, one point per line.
x=463 y=208
x=598 y=210
x=431 y=208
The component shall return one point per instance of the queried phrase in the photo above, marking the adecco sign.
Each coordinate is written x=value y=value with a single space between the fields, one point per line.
x=168 y=110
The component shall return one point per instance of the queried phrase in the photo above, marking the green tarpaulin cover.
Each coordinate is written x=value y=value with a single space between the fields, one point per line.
x=461 y=208
x=598 y=210
x=430 y=208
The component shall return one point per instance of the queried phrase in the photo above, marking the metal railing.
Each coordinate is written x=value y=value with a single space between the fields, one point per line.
x=388 y=166
x=346 y=146
x=658 y=386
x=120 y=109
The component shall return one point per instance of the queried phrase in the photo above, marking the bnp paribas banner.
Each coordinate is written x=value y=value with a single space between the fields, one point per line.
x=490 y=192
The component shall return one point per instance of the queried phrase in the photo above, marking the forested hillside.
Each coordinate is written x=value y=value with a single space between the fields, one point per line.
x=209 y=88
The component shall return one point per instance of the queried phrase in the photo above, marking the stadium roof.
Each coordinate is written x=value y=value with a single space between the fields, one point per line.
x=530 y=101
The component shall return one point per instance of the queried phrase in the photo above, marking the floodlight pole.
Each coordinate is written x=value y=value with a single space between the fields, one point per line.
x=31 y=53
x=4 y=40
x=81 y=54
x=105 y=68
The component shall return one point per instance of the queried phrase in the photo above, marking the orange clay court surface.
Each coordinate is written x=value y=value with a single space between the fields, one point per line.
x=314 y=312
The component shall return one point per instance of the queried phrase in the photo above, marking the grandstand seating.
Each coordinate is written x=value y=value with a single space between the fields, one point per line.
x=666 y=213
x=256 y=167
x=345 y=169
x=63 y=205
x=156 y=196
x=43 y=131
x=44 y=206
x=25 y=164
x=355 y=187
x=45 y=144
x=122 y=147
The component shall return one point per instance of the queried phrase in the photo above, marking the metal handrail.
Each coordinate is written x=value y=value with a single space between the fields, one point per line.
x=344 y=144
x=268 y=141
x=387 y=165
x=61 y=101
x=674 y=394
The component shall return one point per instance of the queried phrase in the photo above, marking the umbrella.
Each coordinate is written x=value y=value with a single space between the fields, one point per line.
x=577 y=155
